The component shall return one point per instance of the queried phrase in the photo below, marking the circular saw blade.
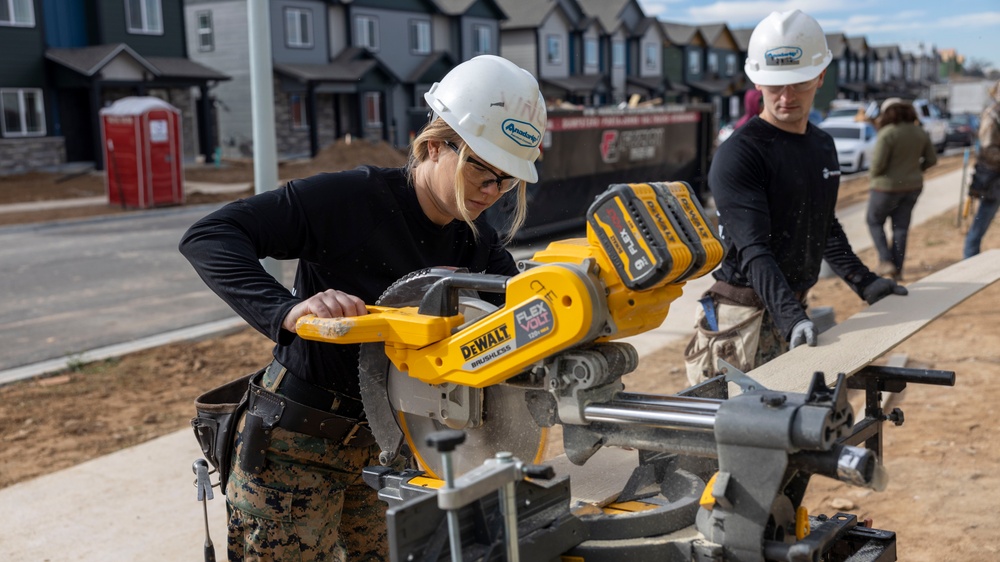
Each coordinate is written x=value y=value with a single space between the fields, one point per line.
x=507 y=425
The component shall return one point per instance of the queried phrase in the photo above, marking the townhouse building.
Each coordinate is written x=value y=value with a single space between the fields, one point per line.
x=61 y=61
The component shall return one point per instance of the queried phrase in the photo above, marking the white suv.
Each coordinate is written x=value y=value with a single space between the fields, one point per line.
x=933 y=122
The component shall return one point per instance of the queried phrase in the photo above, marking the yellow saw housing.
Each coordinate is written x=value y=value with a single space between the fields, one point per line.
x=643 y=242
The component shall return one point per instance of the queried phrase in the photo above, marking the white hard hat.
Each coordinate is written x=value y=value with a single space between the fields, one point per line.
x=496 y=108
x=786 y=48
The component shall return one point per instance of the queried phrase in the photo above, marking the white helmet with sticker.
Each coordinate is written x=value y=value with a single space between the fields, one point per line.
x=786 y=48
x=497 y=109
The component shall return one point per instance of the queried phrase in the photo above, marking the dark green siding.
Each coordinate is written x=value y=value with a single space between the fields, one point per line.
x=22 y=54
x=403 y=5
x=114 y=29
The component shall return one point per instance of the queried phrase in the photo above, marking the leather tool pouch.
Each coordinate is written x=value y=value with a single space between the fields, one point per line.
x=263 y=415
x=218 y=413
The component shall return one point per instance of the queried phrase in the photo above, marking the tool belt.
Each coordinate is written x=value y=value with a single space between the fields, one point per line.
x=301 y=407
x=218 y=413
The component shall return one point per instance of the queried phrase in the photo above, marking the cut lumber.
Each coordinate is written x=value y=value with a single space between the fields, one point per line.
x=861 y=339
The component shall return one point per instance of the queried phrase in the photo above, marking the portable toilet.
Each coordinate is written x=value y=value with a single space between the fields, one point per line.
x=142 y=152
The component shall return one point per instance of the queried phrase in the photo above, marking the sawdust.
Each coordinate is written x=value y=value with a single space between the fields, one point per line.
x=942 y=461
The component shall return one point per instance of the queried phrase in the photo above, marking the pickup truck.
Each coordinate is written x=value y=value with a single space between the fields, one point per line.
x=933 y=122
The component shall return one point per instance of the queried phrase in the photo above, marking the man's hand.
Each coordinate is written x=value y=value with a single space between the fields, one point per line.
x=803 y=333
x=881 y=288
x=328 y=304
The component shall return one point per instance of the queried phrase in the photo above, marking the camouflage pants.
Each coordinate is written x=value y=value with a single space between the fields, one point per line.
x=308 y=504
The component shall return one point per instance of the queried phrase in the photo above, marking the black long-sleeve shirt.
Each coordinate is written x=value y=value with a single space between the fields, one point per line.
x=357 y=231
x=776 y=193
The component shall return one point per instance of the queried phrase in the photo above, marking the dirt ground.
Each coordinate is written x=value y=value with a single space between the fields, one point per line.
x=942 y=462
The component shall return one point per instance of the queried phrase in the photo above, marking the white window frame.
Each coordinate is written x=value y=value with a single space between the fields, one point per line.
x=298 y=28
x=22 y=112
x=553 y=49
x=20 y=13
x=730 y=64
x=420 y=37
x=590 y=56
x=206 y=34
x=372 y=109
x=482 y=40
x=713 y=62
x=617 y=54
x=366 y=32
x=694 y=62
x=148 y=10
x=649 y=56
x=297 y=112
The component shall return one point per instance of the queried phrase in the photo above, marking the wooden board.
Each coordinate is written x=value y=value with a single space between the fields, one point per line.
x=853 y=344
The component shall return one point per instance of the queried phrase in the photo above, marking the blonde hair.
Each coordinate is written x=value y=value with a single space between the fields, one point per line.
x=438 y=130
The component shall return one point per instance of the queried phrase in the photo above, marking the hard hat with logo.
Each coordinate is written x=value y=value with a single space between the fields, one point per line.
x=786 y=48
x=497 y=109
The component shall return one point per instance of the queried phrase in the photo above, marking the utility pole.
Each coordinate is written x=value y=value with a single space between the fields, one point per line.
x=265 y=165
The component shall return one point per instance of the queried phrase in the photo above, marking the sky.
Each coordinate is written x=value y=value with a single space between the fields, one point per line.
x=971 y=27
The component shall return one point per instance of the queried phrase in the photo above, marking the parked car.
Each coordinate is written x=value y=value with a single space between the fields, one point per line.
x=855 y=143
x=933 y=121
x=963 y=128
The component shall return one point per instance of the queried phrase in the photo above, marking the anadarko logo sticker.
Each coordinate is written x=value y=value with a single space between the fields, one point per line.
x=523 y=133
x=783 y=56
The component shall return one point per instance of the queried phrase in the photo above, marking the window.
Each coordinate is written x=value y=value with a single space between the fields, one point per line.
x=842 y=70
x=553 y=49
x=420 y=37
x=713 y=62
x=730 y=65
x=590 y=52
x=23 y=113
x=206 y=34
x=694 y=62
x=618 y=54
x=650 y=59
x=144 y=16
x=297 y=108
x=298 y=28
x=366 y=32
x=19 y=13
x=482 y=40
x=373 y=109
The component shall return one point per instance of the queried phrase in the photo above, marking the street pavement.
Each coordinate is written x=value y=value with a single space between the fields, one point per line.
x=140 y=503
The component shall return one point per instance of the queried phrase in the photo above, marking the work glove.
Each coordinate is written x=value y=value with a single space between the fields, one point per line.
x=881 y=288
x=803 y=333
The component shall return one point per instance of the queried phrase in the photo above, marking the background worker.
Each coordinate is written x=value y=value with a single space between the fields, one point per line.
x=354 y=233
x=988 y=160
x=903 y=151
x=775 y=184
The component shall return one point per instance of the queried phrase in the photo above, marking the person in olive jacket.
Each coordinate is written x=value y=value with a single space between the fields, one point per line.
x=903 y=150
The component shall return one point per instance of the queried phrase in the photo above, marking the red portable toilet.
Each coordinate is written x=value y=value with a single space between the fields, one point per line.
x=142 y=152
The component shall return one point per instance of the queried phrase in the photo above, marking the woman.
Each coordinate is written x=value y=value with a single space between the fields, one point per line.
x=903 y=150
x=354 y=233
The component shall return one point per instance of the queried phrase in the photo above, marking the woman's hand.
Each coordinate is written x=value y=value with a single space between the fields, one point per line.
x=328 y=304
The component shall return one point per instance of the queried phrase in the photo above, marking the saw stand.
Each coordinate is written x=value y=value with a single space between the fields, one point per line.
x=767 y=446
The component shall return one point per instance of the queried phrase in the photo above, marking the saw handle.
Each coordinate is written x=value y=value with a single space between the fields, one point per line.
x=402 y=326
x=442 y=297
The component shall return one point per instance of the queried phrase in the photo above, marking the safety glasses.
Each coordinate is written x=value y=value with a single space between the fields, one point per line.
x=503 y=183
x=798 y=87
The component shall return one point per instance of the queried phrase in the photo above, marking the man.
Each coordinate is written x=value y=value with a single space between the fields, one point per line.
x=775 y=184
x=987 y=164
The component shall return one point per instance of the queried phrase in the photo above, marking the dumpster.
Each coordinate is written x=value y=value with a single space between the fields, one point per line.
x=142 y=153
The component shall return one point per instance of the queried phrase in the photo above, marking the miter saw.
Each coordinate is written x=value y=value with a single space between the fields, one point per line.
x=437 y=357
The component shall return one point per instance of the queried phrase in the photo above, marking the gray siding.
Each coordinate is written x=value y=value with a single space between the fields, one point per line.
x=282 y=51
x=231 y=57
x=521 y=47
x=337 y=27
x=556 y=25
x=113 y=27
x=651 y=40
x=468 y=37
x=394 y=37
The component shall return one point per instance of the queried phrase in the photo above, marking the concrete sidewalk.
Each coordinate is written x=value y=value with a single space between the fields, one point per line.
x=139 y=503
